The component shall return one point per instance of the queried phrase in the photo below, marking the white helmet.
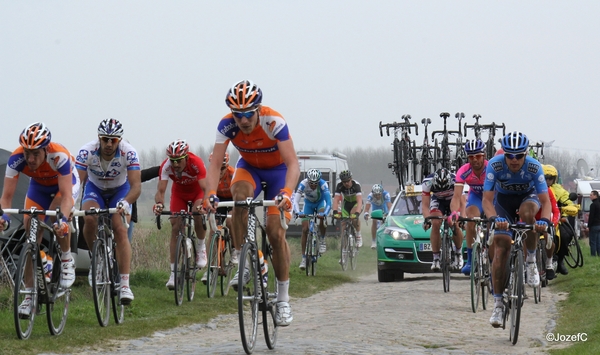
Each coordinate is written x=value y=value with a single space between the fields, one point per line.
x=313 y=175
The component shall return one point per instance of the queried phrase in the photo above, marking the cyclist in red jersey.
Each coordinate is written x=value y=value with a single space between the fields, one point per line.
x=267 y=153
x=53 y=184
x=187 y=172
x=550 y=274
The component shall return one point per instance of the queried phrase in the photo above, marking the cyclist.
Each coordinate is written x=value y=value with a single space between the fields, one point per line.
x=349 y=193
x=378 y=199
x=53 y=184
x=514 y=182
x=317 y=199
x=438 y=190
x=224 y=194
x=562 y=199
x=187 y=172
x=473 y=175
x=548 y=268
x=110 y=169
x=267 y=154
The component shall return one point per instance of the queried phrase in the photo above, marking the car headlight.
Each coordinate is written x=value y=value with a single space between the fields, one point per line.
x=398 y=233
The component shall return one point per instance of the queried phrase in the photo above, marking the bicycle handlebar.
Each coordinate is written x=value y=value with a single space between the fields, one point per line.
x=96 y=211
x=249 y=202
x=396 y=125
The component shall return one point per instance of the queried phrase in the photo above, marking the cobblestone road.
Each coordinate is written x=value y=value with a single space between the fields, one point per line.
x=368 y=317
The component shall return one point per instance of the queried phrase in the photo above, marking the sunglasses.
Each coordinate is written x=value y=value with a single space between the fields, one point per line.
x=242 y=114
x=515 y=156
x=177 y=160
x=475 y=156
x=549 y=177
x=113 y=140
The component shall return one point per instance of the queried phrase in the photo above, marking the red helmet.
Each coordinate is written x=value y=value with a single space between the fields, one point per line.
x=177 y=149
x=242 y=95
x=35 y=136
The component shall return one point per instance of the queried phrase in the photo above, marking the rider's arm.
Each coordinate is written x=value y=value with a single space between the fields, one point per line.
x=456 y=203
x=425 y=200
x=10 y=185
x=367 y=207
x=82 y=176
x=546 y=205
x=359 y=203
x=135 y=185
x=296 y=200
x=488 y=204
x=327 y=197
x=289 y=157
x=161 y=187
x=65 y=186
x=214 y=168
x=336 y=201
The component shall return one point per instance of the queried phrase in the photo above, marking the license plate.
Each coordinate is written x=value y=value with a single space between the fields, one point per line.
x=425 y=247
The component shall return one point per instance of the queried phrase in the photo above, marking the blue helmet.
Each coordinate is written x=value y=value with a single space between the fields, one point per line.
x=515 y=142
x=473 y=147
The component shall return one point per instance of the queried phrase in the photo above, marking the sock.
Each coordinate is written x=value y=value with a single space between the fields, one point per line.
x=282 y=291
x=172 y=267
x=436 y=256
x=66 y=255
x=498 y=300
x=549 y=263
x=469 y=254
x=201 y=244
x=531 y=256
x=125 y=280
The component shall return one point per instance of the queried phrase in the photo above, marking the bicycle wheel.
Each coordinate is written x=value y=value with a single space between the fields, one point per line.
x=57 y=307
x=537 y=290
x=446 y=260
x=398 y=162
x=314 y=255
x=181 y=256
x=190 y=270
x=353 y=250
x=269 y=300
x=485 y=277
x=212 y=273
x=344 y=249
x=516 y=297
x=475 y=276
x=308 y=253
x=248 y=296
x=101 y=284
x=226 y=264
x=115 y=284
x=24 y=322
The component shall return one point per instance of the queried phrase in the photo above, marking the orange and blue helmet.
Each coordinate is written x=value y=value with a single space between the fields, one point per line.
x=35 y=136
x=242 y=95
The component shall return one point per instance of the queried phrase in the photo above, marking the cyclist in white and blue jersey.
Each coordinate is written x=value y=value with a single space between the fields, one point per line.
x=317 y=199
x=378 y=199
x=514 y=189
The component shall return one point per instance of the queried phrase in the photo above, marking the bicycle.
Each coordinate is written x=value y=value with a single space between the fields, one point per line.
x=404 y=148
x=428 y=160
x=106 y=279
x=480 y=265
x=445 y=144
x=221 y=249
x=32 y=288
x=312 y=244
x=477 y=128
x=259 y=290
x=490 y=144
x=348 y=244
x=447 y=253
x=574 y=257
x=540 y=260
x=185 y=267
x=512 y=297
x=460 y=156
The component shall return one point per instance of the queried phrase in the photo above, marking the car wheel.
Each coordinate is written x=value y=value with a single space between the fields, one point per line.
x=384 y=276
x=400 y=276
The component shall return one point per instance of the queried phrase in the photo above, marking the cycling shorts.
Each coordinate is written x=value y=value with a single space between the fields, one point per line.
x=508 y=205
x=313 y=207
x=108 y=198
x=347 y=207
x=438 y=205
x=41 y=196
x=475 y=200
x=274 y=177
x=180 y=196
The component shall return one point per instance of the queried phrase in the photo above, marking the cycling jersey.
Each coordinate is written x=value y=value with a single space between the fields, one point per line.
x=313 y=198
x=349 y=195
x=224 y=188
x=259 y=148
x=529 y=179
x=194 y=170
x=115 y=175
x=58 y=162
x=562 y=195
x=555 y=210
x=380 y=203
x=466 y=175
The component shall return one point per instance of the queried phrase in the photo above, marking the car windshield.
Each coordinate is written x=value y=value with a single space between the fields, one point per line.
x=406 y=205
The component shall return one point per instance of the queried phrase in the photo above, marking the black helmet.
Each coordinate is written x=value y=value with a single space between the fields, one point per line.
x=442 y=179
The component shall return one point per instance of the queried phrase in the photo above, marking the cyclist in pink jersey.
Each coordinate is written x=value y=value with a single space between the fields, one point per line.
x=187 y=172
x=472 y=174
x=52 y=184
x=267 y=154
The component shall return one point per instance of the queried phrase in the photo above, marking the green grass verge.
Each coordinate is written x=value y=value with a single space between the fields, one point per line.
x=580 y=312
x=154 y=307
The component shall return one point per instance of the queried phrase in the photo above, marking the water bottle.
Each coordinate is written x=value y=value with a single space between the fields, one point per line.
x=188 y=244
x=264 y=268
x=47 y=265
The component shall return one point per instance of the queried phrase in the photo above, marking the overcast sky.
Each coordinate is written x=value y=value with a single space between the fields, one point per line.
x=333 y=69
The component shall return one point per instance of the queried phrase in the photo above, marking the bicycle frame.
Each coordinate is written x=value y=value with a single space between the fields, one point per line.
x=445 y=144
x=404 y=164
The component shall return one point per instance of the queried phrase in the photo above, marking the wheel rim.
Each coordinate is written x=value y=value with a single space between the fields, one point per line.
x=179 y=270
x=101 y=282
x=23 y=324
x=248 y=298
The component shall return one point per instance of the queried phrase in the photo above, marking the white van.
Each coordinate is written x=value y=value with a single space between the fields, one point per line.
x=583 y=188
x=330 y=166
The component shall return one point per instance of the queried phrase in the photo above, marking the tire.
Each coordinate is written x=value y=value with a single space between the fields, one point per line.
x=517 y=302
x=58 y=307
x=24 y=324
x=181 y=256
x=486 y=280
x=476 y=276
x=385 y=276
x=311 y=255
x=315 y=257
x=191 y=270
x=574 y=255
x=101 y=284
x=226 y=264
x=248 y=297
x=446 y=259
x=353 y=252
x=117 y=306
x=344 y=249
x=269 y=299
x=537 y=290
x=398 y=162
x=212 y=273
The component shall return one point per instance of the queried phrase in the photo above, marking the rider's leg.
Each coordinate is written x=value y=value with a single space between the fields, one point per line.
x=240 y=191
x=303 y=241
x=281 y=254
